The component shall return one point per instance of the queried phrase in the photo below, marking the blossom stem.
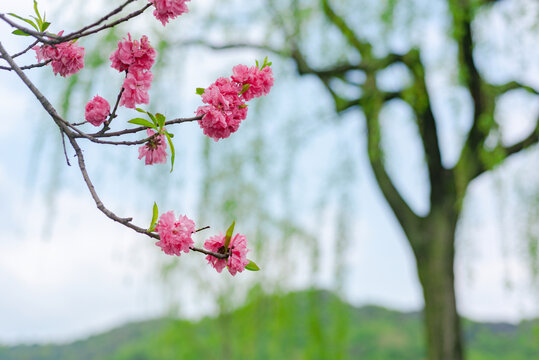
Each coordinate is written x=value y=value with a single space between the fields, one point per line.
x=217 y=255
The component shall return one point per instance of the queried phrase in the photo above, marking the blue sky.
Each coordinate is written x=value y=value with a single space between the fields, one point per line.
x=77 y=273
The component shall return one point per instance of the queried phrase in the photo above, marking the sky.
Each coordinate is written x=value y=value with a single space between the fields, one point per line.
x=74 y=272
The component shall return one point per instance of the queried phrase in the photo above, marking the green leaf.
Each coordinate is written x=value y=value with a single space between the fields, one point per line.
x=252 y=266
x=172 y=152
x=19 y=32
x=243 y=106
x=140 y=110
x=229 y=234
x=38 y=21
x=45 y=26
x=266 y=63
x=26 y=20
x=200 y=91
x=143 y=122
x=152 y=116
x=160 y=120
x=37 y=11
x=245 y=88
x=154 y=217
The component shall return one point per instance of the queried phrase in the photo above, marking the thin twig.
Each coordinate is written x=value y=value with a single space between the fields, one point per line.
x=79 y=123
x=64 y=128
x=113 y=113
x=202 y=228
x=217 y=255
x=64 y=146
x=38 y=35
x=26 y=67
x=41 y=36
x=104 y=18
x=136 y=142
x=78 y=35
x=141 y=128
x=25 y=50
x=92 y=138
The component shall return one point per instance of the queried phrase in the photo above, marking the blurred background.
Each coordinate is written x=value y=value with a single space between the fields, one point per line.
x=338 y=276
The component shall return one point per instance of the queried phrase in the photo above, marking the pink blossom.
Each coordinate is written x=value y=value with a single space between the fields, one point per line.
x=175 y=236
x=168 y=9
x=259 y=81
x=136 y=86
x=219 y=124
x=237 y=260
x=225 y=110
x=97 y=111
x=133 y=55
x=67 y=58
x=154 y=150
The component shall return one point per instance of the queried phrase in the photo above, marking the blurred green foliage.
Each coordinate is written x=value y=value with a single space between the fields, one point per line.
x=303 y=325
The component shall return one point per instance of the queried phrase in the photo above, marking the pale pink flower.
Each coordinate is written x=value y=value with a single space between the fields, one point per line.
x=136 y=86
x=154 y=150
x=225 y=109
x=175 y=235
x=237 y=260
x=45 y=52
x=168 y=9
x=67 y=58
x=97 y=111
x=259 y=81
x=133 y=55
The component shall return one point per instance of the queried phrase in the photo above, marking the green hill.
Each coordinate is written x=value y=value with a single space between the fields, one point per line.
x=301 y=325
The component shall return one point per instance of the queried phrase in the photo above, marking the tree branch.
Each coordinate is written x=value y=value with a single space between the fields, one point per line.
x=417 y=96
x=138 y=129
x=513 y=85
x=371 y=104
x=47 y=38
x=364 y=48
x=531 y=139
x=33 y=66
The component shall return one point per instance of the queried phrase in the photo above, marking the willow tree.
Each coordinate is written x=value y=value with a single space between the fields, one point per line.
x=431 y=236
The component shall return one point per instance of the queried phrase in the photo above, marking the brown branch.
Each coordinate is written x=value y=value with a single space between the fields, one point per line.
x=203 y=251
x=104 y=18
x=38 y=35
x=64 y=147
x=25 y=50
x=39 y=96
x=140 y=128
x=33 y=66
x=64 y=129
x=113 y=113
x=78 y=35
x=124 y=221
x=47 y=38
x=106 y=142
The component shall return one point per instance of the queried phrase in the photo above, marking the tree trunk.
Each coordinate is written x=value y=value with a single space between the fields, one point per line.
x=435 y=257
